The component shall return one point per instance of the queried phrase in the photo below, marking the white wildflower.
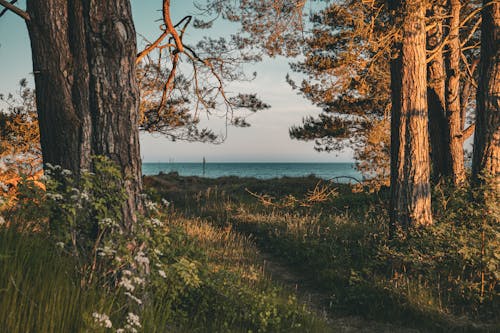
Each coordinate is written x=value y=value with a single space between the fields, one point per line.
x=85 y=196
x=55 y=196
x=107 y=222
x=126 y=272
x=150 y=205
x=132 y=297
x=66 y=172
x=133 y=320
x=165 y=202
x=127 y=284
x=131 y=329
x=60 y=244
x=102 y=319
x=105 y=251
x=162 y=274
x=156 y=222
x=141 y=259
x=139 y=281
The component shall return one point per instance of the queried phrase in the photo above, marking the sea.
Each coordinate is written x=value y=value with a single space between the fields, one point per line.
x=340 y=172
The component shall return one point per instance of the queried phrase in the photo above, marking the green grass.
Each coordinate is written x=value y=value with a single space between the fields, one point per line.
x=40 y=289
x=215 y=275
x=430 y=281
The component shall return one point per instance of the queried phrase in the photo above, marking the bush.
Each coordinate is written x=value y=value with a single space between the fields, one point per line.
x=158 y=276
x=442 y=277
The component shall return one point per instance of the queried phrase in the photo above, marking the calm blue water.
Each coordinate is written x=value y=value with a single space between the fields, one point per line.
x=257 y=170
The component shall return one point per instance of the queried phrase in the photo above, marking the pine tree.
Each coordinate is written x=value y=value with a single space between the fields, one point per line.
x=486 y=159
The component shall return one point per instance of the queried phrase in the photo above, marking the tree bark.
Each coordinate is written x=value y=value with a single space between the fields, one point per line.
x=87 y=95
x=411 y=197
x=486 y=157
x=455 y=149
x=436 y=99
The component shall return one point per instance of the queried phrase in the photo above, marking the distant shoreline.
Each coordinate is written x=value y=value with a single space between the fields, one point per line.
x=259 y=170
x=214 y=162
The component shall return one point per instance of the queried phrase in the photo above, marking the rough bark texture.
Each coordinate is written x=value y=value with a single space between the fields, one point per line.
x=436 y=100
x=486 y=158
x=411 y=197
x=455 y=149
x=87 y=96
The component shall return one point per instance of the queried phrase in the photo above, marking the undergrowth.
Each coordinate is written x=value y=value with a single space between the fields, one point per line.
x=67 y=265
x=442 y=278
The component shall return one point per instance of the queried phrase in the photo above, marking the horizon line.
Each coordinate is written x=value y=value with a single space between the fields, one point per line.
x=269 y=162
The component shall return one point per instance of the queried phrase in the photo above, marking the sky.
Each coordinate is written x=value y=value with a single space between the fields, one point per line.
x=267 y=139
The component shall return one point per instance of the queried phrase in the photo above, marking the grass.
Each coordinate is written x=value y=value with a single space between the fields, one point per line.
x=40 y=290
x=429 y=281
x=444 y=278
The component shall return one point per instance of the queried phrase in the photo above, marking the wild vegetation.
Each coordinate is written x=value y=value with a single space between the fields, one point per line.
x=176 y=273
x=442 y=278
x=88 y=244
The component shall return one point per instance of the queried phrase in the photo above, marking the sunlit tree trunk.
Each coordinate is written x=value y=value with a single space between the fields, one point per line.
x=455 y=150
x=411 y=197
x=87 y=96
x=486 y=158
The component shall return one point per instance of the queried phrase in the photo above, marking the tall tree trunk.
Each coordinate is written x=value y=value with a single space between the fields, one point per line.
x=453 y=111
x=436 y=100
x=411 y=201
x=87 y=95
x=486 y=158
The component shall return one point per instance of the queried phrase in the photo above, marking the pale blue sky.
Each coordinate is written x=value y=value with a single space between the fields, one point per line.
x=266 y=140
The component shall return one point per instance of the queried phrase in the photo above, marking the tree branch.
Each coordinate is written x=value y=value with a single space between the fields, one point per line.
x=5 y=9
x=16 y=10
x=468 y=131
x=170 y=26
x=151 y=47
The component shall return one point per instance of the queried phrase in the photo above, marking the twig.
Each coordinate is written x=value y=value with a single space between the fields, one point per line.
x=16 y=10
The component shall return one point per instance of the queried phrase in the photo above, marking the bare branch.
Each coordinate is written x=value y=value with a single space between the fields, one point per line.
x=150 y=48
x=475 y=12
x=468 y=132
x=5 y=9
x=471 y=33
x=16 y=10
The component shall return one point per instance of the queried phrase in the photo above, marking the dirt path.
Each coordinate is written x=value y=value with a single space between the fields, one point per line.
x=319 y=302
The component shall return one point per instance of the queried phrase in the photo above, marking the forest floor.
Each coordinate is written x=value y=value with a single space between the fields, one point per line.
x=318 y=301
